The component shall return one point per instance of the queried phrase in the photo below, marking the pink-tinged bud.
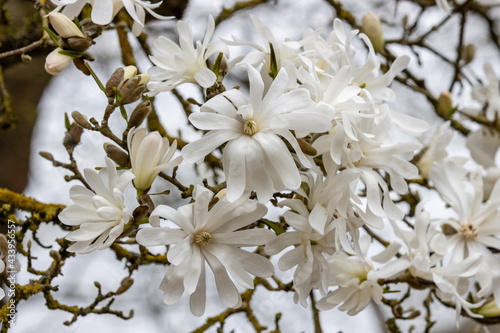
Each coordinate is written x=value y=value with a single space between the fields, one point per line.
x=56 y=62
x=64 y=27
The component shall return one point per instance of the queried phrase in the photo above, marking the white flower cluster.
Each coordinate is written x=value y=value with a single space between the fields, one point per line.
x=315 y=123
x=103 y=11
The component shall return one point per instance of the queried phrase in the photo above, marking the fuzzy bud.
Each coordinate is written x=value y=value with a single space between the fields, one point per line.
x=372 y=27
x=117 y=155
x=64 y=27
x=81 y=120
x=56 y=62
x=72 y=138
x=140 y=113
x=125 y=285
x=131 y=89
x=46 y=155
x=113 y=82
x=78 y=44
x=444 y=105
x=468 y=53
x=307 y=148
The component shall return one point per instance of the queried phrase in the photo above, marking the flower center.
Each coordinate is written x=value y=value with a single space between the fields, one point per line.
x=469 y=230
x=250 y=127
x=203 y=238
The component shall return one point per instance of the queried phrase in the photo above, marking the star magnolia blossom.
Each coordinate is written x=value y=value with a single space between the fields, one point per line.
x=489 y=96
x=425 y=249
x=211 y=236
x=185 y=64
x=477 y=227
x=255 y=156
x=103 y=11
x=100 y=212
x=313 y=235
x=356 y=278
x=150 y=154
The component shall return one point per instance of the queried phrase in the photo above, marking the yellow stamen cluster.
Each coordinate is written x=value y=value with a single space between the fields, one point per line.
x=250 y=127
x=469 y=230
x=203 y=238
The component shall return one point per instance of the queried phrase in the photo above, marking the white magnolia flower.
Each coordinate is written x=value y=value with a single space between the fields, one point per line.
x=255 y=156
x=100 y=212
x=210 y=236
x=312 y=236
x=476 y=228
x=483 y=145
x=435 y=150
x=357 y=286
x=149 y=154
x=103 y=11
x=425 y=248
x=356 y=278
x=185 y=64
x=489 y=96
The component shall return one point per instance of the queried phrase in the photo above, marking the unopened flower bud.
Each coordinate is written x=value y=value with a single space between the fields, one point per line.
x=46 y=155
x=140 y=113
x=113 y=82
x=489 y=310
x=56 y=62
x=81 y=120
x=444 y=105
x=26 y=57
x=307 y=148
x=78 y=44
x=131 y=89
x=125 y=285
x=468 y=53
x=55 y=255
x=117 y=155
x=129 y=71
x=64 y=27
x=372 y=27
x=72 y=138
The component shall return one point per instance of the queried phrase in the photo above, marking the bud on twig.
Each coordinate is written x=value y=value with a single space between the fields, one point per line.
x=113 y=82
x=56 y=62
x=444 y=105
x=131 y=89
x=117 y=155
x=72 y=138
x=125 y=285
x=46 y=155
x=468 y=53
x=78 y=44
x=372 y=27
x=81 y=120
x=64 y=27
x=140 y=113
